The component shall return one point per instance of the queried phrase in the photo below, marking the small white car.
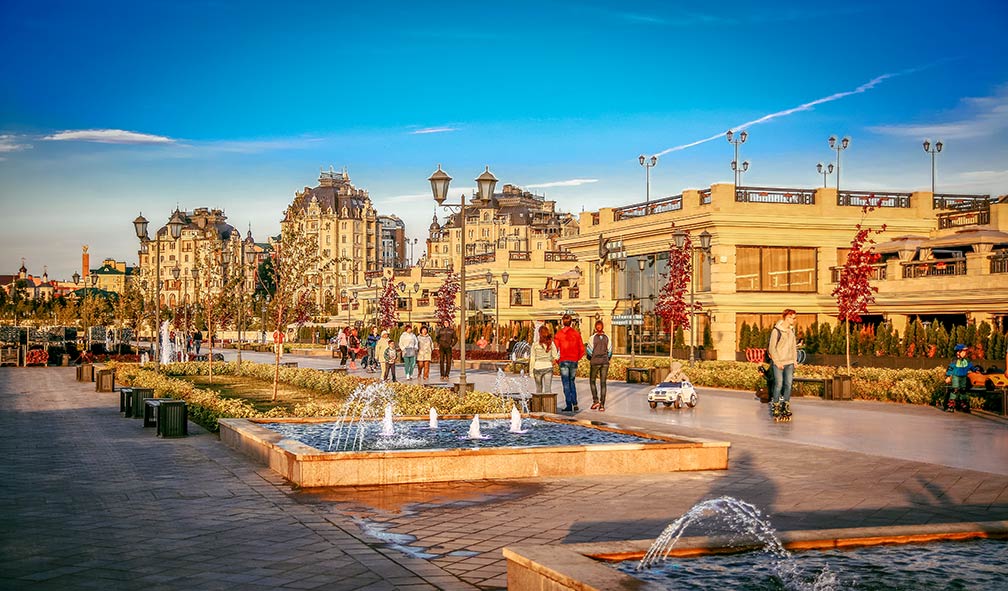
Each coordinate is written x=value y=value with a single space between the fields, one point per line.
x=673 y=393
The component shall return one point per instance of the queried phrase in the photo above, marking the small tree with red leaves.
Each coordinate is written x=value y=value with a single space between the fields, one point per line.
x=672 y=306
x=444 y=302
x=388 y=306
x=854 y=291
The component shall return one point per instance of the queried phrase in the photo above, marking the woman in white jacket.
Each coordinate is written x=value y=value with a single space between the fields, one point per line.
x=408 y=344
x=541 y=358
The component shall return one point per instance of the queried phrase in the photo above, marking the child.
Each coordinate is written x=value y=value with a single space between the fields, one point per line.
x=958 y=381
x=389 y=356
x=675 y=373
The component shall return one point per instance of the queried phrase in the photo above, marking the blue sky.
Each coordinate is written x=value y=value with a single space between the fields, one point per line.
x=113 y=108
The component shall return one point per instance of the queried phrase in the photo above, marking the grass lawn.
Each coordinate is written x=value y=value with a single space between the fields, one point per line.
x=258 y=393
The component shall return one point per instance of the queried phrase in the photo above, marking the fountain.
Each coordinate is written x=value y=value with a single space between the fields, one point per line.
x=745 y=551
x=516 y=426
x=511 y=391
x=362 y=448
x=167 y=348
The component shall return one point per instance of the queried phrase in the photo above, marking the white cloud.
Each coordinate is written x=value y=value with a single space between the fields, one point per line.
x=974 y=117
x=983 y=178
x=567 y=183
x=427 y=130
x=109 y=136
x=8 y=143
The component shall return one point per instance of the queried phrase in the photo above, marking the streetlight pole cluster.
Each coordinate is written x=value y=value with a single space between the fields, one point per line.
x=679 y=238
x=838 y=146
x=485 y=184
x=824 y=171
x=737 y=168
x=405 y=290
x=933 y=151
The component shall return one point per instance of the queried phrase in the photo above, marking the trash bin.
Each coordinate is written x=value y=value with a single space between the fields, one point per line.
x=105 y=380
x=136 y=404
x=172 y=418
x=85 y=372
x=842 y=387
x=126 y=401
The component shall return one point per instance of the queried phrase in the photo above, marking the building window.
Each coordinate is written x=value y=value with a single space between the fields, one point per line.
x=774 y=268
x=521 y=296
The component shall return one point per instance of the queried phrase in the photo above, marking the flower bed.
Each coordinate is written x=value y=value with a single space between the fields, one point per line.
x=206 y=406
x=37 y=357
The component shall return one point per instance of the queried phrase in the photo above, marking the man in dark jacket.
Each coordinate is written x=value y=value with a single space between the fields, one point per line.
x=446 y=339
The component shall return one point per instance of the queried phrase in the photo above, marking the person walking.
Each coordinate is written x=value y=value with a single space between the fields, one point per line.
x=542 y=356
x=372 y=359
x=425 y=351
x=446 y=339
x=568 y=343
x=408 y=345
x=599 y=352
x=197 y=340
x=342 y=340
x=783 y=352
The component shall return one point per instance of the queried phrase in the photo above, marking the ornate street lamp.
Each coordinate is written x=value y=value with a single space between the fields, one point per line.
x=933 y=151
x=485 y=184
x=175 y=224
x=648 y=164
x=735 y=166
x=343 y=294
x=824 y=170
x=491 y=281
x=838 y=146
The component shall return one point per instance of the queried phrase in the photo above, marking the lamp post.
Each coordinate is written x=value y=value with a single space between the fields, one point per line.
x=344 y=294
x=824 y=170
x=838 y=146
x=735 y=166
x=705 y=247
x=641 y=263
x=648 y=164
x=175 y=224
x=932 y=150
x=491 y=281
x=405 y=291
x=485 y=183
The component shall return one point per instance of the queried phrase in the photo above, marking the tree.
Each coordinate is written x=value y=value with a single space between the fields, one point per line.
x=671 y=305
x=445 y=307
x=220 y=283
x=388 y=306
x=294 y=258
x=854 y=291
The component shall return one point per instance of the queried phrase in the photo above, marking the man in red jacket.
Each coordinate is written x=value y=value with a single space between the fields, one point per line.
x=568 y=343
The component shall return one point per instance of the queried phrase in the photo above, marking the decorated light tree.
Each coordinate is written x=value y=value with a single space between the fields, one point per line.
x=671 y=305
x=388 y=306
x=854 y=291
x=445 y=308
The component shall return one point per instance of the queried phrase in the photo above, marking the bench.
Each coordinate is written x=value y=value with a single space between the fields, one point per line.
x=341 y=369
x=639 y=375
x=826 y=383
x=288 y=364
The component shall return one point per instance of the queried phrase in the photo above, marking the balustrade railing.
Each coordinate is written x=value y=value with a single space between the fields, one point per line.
x=423 y=302
x=433 y=272
x=978 y=215
x=549 y=294
x=637 y=210
x=873 y=199
x=934 y=268
x=878 y=273
x=999 y=262
x=705 y=196
x=476 y=259
x=954 y=201
x=557 y=256
x=774 y=195
x=519 y=255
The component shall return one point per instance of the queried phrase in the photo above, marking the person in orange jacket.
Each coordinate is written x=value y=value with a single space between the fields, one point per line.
x=571 y=348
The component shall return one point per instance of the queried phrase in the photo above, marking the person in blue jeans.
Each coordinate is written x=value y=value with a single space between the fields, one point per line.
x=783 y=352
x=571 y=348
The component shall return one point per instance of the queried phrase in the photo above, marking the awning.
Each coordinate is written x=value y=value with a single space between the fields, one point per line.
x=908 y=242
x=566 y=279
x=970 y=237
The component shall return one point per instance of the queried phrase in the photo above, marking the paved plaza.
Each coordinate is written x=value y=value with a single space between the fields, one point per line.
x=94 y=501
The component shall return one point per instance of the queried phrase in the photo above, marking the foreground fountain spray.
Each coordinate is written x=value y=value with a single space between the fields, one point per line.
x=433 y=418
x=516 y=426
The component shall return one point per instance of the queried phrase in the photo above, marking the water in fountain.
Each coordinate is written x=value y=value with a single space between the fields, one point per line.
x=510 y=391
x=433 y=418
x=516 y=426
x=363 y=403
x=387 y=429
x=474 y=429
x=743 y=519
x=167 y=352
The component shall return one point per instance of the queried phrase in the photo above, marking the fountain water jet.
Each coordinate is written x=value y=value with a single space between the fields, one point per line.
x=167 y=347
x=474 y=429
x=433 y=418
x=516 y=421
x=388 y=430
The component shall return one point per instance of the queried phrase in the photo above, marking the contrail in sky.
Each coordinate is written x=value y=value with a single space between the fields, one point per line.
x=803 y=107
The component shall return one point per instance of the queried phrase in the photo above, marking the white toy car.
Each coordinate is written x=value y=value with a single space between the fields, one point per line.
x=673 y=393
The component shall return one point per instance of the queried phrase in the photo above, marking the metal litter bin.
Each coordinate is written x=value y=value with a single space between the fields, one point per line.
x=125 y=401
x=172 y=418
x=136 y=409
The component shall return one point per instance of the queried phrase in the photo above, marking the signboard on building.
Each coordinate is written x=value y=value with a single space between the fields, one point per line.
x=627 y=320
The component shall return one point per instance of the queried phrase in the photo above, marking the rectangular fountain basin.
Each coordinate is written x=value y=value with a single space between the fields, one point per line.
x=583 y=567
x=311 y=467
